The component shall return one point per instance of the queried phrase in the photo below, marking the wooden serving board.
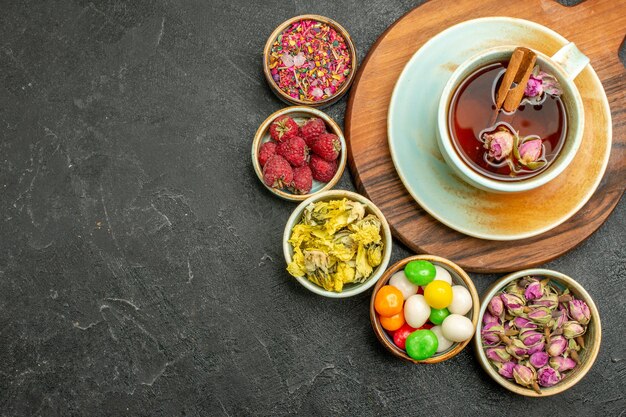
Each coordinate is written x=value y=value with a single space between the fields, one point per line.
x=596 y=26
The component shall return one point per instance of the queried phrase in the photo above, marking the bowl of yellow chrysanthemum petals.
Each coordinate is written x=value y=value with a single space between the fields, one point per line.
x=337 y=244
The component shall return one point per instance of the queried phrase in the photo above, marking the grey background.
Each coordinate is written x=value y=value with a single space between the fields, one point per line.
x=141 y=270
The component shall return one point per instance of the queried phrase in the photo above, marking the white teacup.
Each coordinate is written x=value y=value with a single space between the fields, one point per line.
x=565 y=65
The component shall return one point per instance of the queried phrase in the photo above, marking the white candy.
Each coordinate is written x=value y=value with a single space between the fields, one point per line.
x=416 y=311
x=405 y=286
x=444 y=344
x=442 y=275
x=461 y=300
x=457 y=328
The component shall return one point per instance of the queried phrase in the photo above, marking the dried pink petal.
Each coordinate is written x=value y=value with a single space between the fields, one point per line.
x=317 y=92
x=287 y=60
x=299 y=60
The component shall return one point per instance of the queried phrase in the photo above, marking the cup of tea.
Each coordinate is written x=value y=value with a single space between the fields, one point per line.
x=519 y=150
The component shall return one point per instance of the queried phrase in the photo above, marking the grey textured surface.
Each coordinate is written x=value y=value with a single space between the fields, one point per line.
x=141 y=270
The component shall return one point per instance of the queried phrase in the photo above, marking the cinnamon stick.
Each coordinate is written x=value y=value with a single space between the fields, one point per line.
x=515 y=78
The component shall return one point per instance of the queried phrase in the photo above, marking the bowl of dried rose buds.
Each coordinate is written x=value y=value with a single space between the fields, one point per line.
x=298 y=152
x=538 y=332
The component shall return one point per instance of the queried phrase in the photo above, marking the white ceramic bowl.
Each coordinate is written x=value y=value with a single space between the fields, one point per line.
x=349 y=289
x=588 y=355
x=566 y=64
x=299 y=114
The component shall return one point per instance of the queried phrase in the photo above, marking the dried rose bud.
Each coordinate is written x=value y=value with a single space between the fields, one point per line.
x=550 y=301
x=580 y=343
x=514 y=288
x=499 y=143
x=488 y=318
x=491 y=333
x=557 y=346
x=548 y=289
x=534 y=87
x=508 y=299
x=498 y=354
x=538 y=347
x=496 y=307
x=534 y=290
x=560 y=320
x=506 y=369
x=562 y=364
x=572 y=329
x=539 y=359
x=549 y=84
x=540 y=315
x=513 y=303
x=530 y=337
x=523 y=323
x=529 y=152
x=573 y=345
x=548 y=376
x=517 y=349
x=524 y=375
x=523 y=282
x=565 y=298
x=579 y=311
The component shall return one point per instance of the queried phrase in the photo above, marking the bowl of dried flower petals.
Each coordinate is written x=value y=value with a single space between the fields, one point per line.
x=337 y=244
x=538 y=332
x=309 y=60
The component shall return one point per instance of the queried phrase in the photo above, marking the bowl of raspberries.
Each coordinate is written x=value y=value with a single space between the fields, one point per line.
x=299 y=151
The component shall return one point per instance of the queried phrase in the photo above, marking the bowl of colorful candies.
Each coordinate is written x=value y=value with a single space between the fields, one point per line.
x=539 y=332
x=424 y=309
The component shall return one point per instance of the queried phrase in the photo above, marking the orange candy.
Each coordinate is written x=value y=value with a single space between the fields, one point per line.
x=392 y=323
x=388 y=301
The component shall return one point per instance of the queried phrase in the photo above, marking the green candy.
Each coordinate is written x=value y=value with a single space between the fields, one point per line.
x=421 y=344
x=420 y=272
x=437 y=315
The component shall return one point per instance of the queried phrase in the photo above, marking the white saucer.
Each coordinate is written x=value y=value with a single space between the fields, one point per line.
x=412 y=122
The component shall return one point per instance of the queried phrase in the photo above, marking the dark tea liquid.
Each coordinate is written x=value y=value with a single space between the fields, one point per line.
x=472 y=108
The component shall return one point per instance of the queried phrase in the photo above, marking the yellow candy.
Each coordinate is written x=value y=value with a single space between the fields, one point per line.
x=438 y=294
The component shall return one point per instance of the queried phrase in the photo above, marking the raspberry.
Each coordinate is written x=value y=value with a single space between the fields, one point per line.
x=283 y=128
x=294 y=150
x=312 y=129
x=277 y=172
x=327 y=146
x=302 y=180
x=267 y=149
x=322 y=170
